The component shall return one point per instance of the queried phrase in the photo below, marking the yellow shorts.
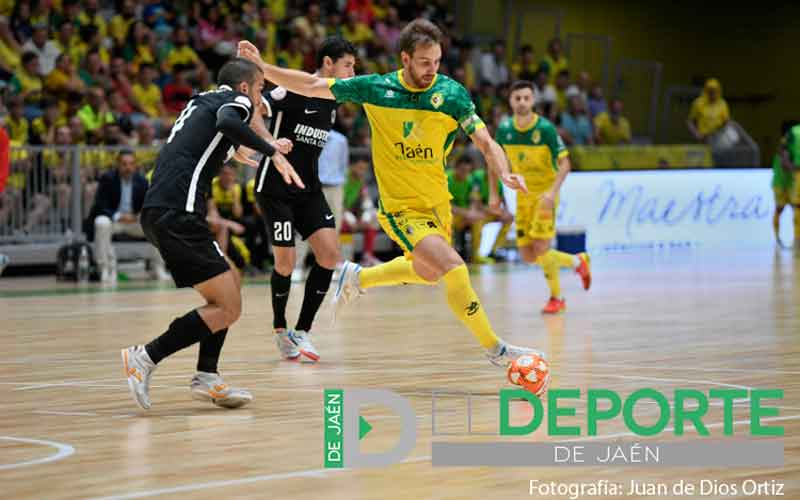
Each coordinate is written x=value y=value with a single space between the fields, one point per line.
x=409 y=227
x=784 y=196
x=534 y=223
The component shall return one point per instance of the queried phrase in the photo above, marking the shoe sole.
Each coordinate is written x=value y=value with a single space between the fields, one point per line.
x=587 y=282
x=309 y=357
x=129 y=378
x=229 y=402
x=554 y=313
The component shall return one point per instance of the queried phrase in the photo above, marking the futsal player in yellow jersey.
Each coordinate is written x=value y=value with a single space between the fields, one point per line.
x=537 y=152
x=414 y=114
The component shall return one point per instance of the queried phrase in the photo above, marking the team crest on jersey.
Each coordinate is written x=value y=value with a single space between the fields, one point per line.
x=536 y=137
x=437 y=99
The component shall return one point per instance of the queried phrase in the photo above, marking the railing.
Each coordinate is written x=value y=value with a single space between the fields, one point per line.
x=50 y=190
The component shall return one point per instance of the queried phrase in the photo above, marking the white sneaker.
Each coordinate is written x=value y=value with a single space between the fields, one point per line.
x=286 y=347
x=302 y=342
x=347 y=288
x=210 y=387
x=138 y=370
x=505 y=353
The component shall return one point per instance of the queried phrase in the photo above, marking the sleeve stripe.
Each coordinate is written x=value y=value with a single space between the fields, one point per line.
x=563 y=154
x=237 y=105
x=267 y=106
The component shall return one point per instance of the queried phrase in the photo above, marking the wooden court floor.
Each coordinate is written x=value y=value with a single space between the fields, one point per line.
x=687 y=319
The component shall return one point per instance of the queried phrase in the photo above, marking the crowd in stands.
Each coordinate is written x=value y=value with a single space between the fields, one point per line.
x=99 y=72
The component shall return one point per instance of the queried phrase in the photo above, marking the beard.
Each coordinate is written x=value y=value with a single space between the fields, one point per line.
x=418 y=81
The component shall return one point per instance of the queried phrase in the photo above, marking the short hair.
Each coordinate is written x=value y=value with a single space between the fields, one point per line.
x=521 y=84
x=418 y=32
x=236 y=71
x=125 y=152
x=334 y=47
x=28 y=57
x=563 y=72
x=526 y=48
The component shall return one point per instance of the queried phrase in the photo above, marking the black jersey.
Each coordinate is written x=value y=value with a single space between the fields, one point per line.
x=195 y=152
x=305 y=121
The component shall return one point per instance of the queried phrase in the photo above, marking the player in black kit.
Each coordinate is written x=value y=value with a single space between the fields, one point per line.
x=288 y=208
x=205 y=135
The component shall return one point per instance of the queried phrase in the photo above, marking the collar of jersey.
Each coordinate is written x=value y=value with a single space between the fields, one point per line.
x=533 y=123
x=410 y=88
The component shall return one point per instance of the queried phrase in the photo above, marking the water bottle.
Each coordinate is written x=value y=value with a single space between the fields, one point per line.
x=83 y=265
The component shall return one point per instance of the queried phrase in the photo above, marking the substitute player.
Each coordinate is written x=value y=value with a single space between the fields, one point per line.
x=537 y=152
x=205 y=135
x=414 y=114
x=790 y=161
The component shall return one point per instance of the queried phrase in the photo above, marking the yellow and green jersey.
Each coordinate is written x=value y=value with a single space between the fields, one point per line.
x=412 y=134
x=791 y=141
x=532 y=151
x=781 y=179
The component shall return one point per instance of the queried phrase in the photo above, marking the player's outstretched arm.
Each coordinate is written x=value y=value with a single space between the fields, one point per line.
x=564 y=167
x=498 y=165
x=295 y=81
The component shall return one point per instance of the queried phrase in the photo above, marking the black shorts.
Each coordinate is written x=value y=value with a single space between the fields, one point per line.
x=302 y=212
x=186 y=244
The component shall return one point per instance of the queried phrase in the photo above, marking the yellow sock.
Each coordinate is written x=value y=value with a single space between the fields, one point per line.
x=501 y=237
x=395 y=272
x=466 y=306
x=477 y=234
x=564 y=259
x=550 y=266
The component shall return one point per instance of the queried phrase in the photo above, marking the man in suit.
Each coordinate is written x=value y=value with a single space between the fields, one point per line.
x=117 y=204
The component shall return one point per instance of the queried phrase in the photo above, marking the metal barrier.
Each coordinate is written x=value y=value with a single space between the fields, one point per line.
x=50 y=190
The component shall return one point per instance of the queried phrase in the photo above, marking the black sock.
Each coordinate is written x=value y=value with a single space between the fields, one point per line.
x=317 y=283
x=182 y=333
x=280 y=286
x=210 y=348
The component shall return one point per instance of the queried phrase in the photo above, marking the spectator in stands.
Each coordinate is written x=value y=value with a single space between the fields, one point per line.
x=709 y=112
x=596 y=103
x=360 y=215
x=64 y=78
x=21 y=22
x=94 y=72
x=46 y=49
x=178 y=92
x=116 y=209
x=493 y=68
x=140 y=48
x=562 y=84
x=611 y=127
x=388 y=30
x=27 y=82
x=90 y=16
x=291 y=56
x=69 y=42
x=77 y=130
x=120 y=80
x=58 y=163
x=525 y=68
x=95 y=114
x=9 y=51
x=576 y=127
x=122 y=21
x=363 y=9
x=147 y=94
x=584 y=85
x=355 y=30
x=544 y=94
x=487 y=98
x=309 y=28
x=554 y=61
x=16 y=123
x=43 y=129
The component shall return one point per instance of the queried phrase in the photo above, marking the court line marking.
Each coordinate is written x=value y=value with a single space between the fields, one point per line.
x=322 y=473
x=64 y=450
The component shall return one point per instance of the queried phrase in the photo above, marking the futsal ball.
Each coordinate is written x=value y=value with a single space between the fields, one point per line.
x=530 y=372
